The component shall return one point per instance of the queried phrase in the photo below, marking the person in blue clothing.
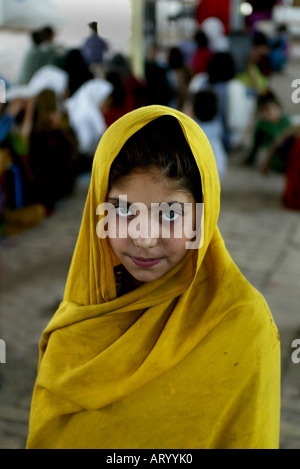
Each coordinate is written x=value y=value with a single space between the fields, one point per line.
x=280 y=49
x=94 y=49
x=8 y=116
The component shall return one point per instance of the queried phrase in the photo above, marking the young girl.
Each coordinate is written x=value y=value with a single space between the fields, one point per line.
x=156 y=345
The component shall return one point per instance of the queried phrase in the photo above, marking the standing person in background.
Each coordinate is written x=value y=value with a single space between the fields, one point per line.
x=42 y=52
x=93 y=50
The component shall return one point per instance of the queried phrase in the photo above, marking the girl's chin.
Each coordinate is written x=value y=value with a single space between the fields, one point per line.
x=145 y=276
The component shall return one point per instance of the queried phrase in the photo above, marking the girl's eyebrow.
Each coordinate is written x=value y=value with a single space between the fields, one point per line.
x=117 y=201
x=113 y=200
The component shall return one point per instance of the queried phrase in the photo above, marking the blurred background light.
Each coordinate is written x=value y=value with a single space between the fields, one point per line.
x=246 y=9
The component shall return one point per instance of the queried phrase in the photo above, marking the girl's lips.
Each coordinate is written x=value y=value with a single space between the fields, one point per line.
x=145 y=262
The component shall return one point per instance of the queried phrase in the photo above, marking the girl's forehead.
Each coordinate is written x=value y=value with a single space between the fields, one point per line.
x=153 y=177
x=149 y=185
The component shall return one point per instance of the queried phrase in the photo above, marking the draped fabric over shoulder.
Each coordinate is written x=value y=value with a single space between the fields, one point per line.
x=189 y=361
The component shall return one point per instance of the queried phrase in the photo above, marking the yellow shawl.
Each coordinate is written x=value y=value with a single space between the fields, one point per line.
x=185 y=362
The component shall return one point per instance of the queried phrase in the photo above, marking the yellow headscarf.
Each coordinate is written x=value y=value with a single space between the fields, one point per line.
x=190 y=360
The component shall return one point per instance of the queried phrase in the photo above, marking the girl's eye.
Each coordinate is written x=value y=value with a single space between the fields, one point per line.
x=124 y=212
x=171 y=216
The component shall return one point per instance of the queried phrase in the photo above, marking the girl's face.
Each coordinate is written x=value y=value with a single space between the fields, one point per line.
x=146 y=244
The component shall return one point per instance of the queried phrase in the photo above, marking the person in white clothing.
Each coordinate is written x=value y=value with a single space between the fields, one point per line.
x=205 y=113
x=85 y=114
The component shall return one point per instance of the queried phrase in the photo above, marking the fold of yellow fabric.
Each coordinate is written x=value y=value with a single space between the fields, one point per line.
x=190 y=360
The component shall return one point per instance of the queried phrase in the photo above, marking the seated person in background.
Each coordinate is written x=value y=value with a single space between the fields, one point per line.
x=280 y=49
x=270 y=126
x=18 y=208
x=291 y=195
x=205 y=113
x=128 y=92
x=261 y=44
x=8 y=116
x=288 y=145
x=158 y=90
x=219 y=76
x=52 y=151
x=77 y=70
x=203 y=54
x=256 y=75
x=179 y=76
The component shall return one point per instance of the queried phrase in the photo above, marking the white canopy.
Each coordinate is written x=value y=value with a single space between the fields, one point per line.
x=30 y=14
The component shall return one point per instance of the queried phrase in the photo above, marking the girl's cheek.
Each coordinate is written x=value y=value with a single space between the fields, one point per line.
x=173 y=246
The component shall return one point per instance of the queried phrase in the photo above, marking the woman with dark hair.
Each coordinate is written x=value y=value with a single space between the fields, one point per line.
x=179 y=76
x=77 y=70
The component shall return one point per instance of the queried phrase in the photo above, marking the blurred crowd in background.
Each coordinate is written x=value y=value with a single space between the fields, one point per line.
x=63 y=101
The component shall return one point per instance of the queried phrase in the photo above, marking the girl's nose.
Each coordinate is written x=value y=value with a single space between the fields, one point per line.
x=145 y=243
x=145 y=233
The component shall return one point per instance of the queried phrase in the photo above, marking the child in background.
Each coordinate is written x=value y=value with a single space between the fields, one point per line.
x=271 y=124
x=205 y=107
